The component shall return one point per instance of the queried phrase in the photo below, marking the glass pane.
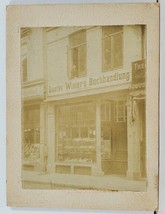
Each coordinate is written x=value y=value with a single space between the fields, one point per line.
x=117 y=50
x=75 y=133
x=120 y=119
x=120 y=102
x=120 y=113
x=109 y=30
x=31 y=136
x=91 y=112
x=37 y=136
x=102 y=112
x=75 y=136
x=78 y=38
x=106 y=54
x=105 y=130
x=107 y=111
x=36 y=117
x=74 y=68
x=84 y=132
x=82 y=60
x=67 y=132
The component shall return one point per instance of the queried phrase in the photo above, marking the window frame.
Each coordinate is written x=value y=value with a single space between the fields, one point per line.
x=77 y=47
x=111 y=36
x=124 y=111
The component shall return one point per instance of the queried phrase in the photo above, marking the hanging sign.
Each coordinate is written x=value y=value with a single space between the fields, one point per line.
x=138 y=71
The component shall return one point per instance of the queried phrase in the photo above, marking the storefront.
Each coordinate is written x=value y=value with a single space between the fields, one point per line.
x=91 y=95
x=33 y=110
x=31 y=146
x=33 y=115
x=90 y=135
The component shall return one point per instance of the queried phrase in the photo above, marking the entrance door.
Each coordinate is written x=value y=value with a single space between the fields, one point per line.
x=114 y=137
x=119 y=138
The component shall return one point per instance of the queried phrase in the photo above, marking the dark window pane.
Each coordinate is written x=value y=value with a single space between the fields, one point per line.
x=112 y=47
x=74 y=69
x=102 y=111
x=84 y=132
x=107 y=111
x=109 y=30
x=78 y=54
x=71 y=133
x=37 y=136
x=82 y=60
x=117 y=51
x=75 y=133
x=78 y=38
x=107 y=54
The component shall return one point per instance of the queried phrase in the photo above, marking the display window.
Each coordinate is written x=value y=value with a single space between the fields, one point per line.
x=31 y=136
x=76 y=139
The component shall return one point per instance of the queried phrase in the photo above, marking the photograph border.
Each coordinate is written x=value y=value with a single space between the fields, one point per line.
x=80 y=15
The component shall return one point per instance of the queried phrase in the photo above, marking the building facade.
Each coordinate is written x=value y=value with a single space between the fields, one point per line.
x=83 y=92
x=33 y=95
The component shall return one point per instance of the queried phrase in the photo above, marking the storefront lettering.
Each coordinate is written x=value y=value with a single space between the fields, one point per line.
x=138 y=71
x=106 y=79
x=89 y=82
x=55 y=89
x=76 y=85
x=139 y=66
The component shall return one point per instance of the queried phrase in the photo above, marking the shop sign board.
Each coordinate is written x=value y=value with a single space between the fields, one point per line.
x=33 y=91
x=108 y=79
x=138 y=71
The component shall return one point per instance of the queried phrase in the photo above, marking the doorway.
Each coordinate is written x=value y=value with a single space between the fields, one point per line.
x=114 y=137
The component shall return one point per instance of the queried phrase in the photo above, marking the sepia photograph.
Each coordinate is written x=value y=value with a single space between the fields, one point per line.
x=83 y=107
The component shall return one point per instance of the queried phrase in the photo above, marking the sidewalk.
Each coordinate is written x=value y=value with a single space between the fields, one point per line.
x=68 y=181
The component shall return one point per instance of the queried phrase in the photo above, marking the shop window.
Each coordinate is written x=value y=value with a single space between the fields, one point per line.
x=84 y=132
x=120 y=111
x=78 y=54
x=24 y=69
x=112 y=47
x=80 y=143
x=31 y=133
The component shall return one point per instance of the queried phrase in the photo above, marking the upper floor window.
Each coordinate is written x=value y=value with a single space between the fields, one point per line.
x=24 y=69
x=112 y=47
x=78 y=54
